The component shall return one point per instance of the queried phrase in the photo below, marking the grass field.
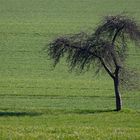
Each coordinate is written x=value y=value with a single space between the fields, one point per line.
x=38 y=103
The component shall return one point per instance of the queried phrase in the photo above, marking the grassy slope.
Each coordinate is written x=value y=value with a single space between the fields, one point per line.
x=38 y=103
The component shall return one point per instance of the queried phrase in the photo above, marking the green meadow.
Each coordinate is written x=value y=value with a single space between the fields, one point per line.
x=38 y=102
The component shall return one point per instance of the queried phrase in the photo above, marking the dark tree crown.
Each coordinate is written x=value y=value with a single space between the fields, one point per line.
x=105 y=47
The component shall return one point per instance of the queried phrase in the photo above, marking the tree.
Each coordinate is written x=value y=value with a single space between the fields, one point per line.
x=105 y=48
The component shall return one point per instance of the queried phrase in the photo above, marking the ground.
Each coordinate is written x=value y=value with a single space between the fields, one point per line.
x=37 y=102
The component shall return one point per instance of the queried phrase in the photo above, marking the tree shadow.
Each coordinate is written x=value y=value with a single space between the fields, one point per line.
x=93 y=111
x=19 y=114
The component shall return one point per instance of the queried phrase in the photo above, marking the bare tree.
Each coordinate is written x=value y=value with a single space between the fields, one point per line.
x=106 y=48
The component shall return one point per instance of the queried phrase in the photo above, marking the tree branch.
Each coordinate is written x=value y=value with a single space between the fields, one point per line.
x=113 y=41
x=106 y=68
x=83 y=49
x=101 y=60
x=114 y=38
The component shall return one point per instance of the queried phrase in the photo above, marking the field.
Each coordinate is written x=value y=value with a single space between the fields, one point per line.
x=39 y=103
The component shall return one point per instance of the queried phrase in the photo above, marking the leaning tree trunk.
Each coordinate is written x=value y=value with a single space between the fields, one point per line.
x=116 y=88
